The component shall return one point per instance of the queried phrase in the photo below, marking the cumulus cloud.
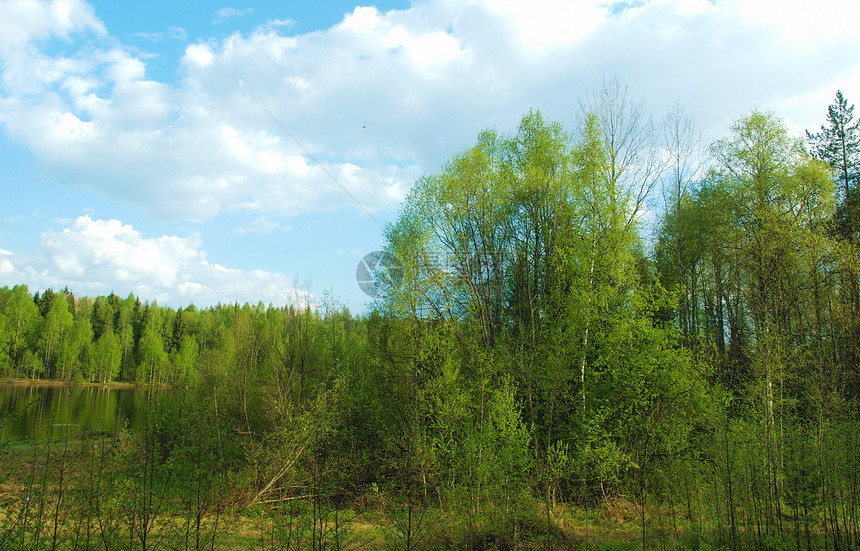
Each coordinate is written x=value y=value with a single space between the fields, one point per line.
x=6 y=266
x=382 y=97
x=100 y=256
x=545 y=23
x=25 y=21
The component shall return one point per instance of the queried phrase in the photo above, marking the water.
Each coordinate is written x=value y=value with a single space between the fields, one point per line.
x=55 y=411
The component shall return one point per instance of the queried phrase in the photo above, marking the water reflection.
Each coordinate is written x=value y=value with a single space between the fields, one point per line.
x=50 y=411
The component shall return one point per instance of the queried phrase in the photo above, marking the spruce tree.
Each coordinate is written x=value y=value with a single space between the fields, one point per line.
x=838 y=145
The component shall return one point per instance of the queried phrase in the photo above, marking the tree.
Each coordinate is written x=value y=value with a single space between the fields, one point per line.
x=778 y=198
x=55 y=335
x=76 y=355
x=838 y=144
x=108 y=357
x=546 y=283
x=762 y=213
x=152 y=356
x=633 y=164
x=185 y=358
x=44 y=301
x=682 y=141
x=102 y=317
x=19 y=320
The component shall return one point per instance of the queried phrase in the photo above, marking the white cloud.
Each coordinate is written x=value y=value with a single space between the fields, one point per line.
x=803 y=22
x=173 y=33
x=382 y=97
x=546 y=23
x=25 y=21
x=198 y=55
x=230 y=13
x=6 y=266
x=362 y=19
x=262 y=224
x=426 y=51
x=99 y=256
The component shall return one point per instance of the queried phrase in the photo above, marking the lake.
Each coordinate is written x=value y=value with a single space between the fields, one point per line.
x=55 y=411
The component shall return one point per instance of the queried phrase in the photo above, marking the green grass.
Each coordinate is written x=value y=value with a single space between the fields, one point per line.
x=364 y=523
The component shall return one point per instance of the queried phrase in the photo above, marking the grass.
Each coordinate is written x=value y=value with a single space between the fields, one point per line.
x=34 y=468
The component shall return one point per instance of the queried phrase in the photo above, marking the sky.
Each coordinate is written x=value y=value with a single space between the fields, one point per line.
x=202 y=153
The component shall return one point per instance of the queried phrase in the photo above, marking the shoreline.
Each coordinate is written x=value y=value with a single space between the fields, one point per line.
x=50 y=382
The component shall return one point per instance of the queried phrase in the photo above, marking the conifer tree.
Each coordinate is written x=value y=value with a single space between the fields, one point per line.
x=838 y=144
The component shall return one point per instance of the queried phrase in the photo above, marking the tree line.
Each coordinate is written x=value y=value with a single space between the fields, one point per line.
x=57 y=336
x=530 y=350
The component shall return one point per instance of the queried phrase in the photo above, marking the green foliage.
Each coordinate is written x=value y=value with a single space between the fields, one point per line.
x=531 y=361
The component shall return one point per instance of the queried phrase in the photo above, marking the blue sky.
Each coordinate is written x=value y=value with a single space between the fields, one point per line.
x=137 y=155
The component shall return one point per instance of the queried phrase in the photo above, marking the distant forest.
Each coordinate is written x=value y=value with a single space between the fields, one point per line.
x=531 y=350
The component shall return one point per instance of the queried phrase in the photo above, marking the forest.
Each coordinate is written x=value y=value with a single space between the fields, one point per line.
x=606 y=337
